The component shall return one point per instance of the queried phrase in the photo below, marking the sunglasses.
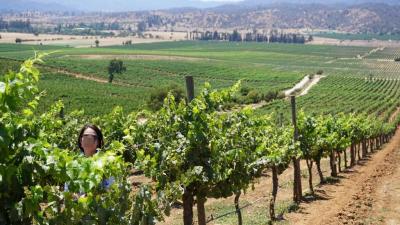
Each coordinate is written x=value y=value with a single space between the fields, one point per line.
x=89 y=137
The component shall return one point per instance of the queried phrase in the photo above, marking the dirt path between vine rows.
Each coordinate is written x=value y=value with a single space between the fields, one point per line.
x=312 y=83
x=91 y=77
x=302 y=88
x=83 y=76
x=394 y=114
x=366 y=194
x=370 y=52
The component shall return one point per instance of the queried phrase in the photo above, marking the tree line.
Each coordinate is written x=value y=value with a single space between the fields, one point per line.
x=16 y=25
x=235 y=36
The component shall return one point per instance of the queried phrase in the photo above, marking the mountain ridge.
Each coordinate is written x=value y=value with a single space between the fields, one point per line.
x=144 y=5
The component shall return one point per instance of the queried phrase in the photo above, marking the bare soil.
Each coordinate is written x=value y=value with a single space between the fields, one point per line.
x=394 y=115
x=91 y=77
x=367 y=194
x=85 y=41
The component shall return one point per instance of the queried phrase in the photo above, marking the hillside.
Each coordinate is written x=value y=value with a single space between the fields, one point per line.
x=365 y=18
x=376 y=18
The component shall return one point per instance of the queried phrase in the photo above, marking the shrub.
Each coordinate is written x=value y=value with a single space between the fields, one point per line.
x=157 y=97
x=253 y=96
x=115 y=66
x=247 y=95
x=281 y=95
x=270 y=95
x=244 y=91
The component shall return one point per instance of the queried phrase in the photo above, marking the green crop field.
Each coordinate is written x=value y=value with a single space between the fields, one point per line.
x=387 y=53
x=348 y=85
x=346 y=93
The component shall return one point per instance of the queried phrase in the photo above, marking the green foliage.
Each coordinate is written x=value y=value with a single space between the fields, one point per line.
x=320 y=135
x=157 y=97
x=247 y=96
x=271 y=95
x=276 y=147
x=197 y=148
x=253 y=96
x=307 y=128
x=115 y=66
x=244 y=90
x=35 y=171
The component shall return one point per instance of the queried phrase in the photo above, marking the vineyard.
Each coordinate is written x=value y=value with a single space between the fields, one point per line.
x=191 y=151
x=377 y=97
x=262 y=68
x=196 y=154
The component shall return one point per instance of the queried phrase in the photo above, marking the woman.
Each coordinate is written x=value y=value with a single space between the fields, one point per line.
x=90 y=140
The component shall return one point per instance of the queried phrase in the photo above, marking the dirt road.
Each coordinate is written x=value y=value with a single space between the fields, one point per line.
x=367 y=194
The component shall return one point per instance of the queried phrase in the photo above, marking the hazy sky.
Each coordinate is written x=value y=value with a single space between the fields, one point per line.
x=137 y=4
x=221 y=0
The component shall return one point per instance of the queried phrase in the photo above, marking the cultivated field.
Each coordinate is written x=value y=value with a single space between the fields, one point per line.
x=87 y=41
x=262 y=67
x=359 y=79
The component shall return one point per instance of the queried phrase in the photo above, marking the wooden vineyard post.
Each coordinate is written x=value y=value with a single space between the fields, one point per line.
x=190 y=87
x=62 y=114
x=297 y=190
x=188 y=195
x=275 y=181
x=275 y=184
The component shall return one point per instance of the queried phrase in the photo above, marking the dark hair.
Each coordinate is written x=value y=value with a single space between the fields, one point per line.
x=99 y=135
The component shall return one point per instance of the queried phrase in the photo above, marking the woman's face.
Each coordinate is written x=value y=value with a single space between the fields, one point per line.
x=89 y=142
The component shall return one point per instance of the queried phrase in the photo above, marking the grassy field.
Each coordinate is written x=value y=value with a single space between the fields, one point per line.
x=262 y=67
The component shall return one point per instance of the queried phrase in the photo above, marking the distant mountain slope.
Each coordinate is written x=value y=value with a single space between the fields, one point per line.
x=105 y=5
x=135 y=5
x=364 y=18
x=325 y=2
x=23 y=5
x=376 y=18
